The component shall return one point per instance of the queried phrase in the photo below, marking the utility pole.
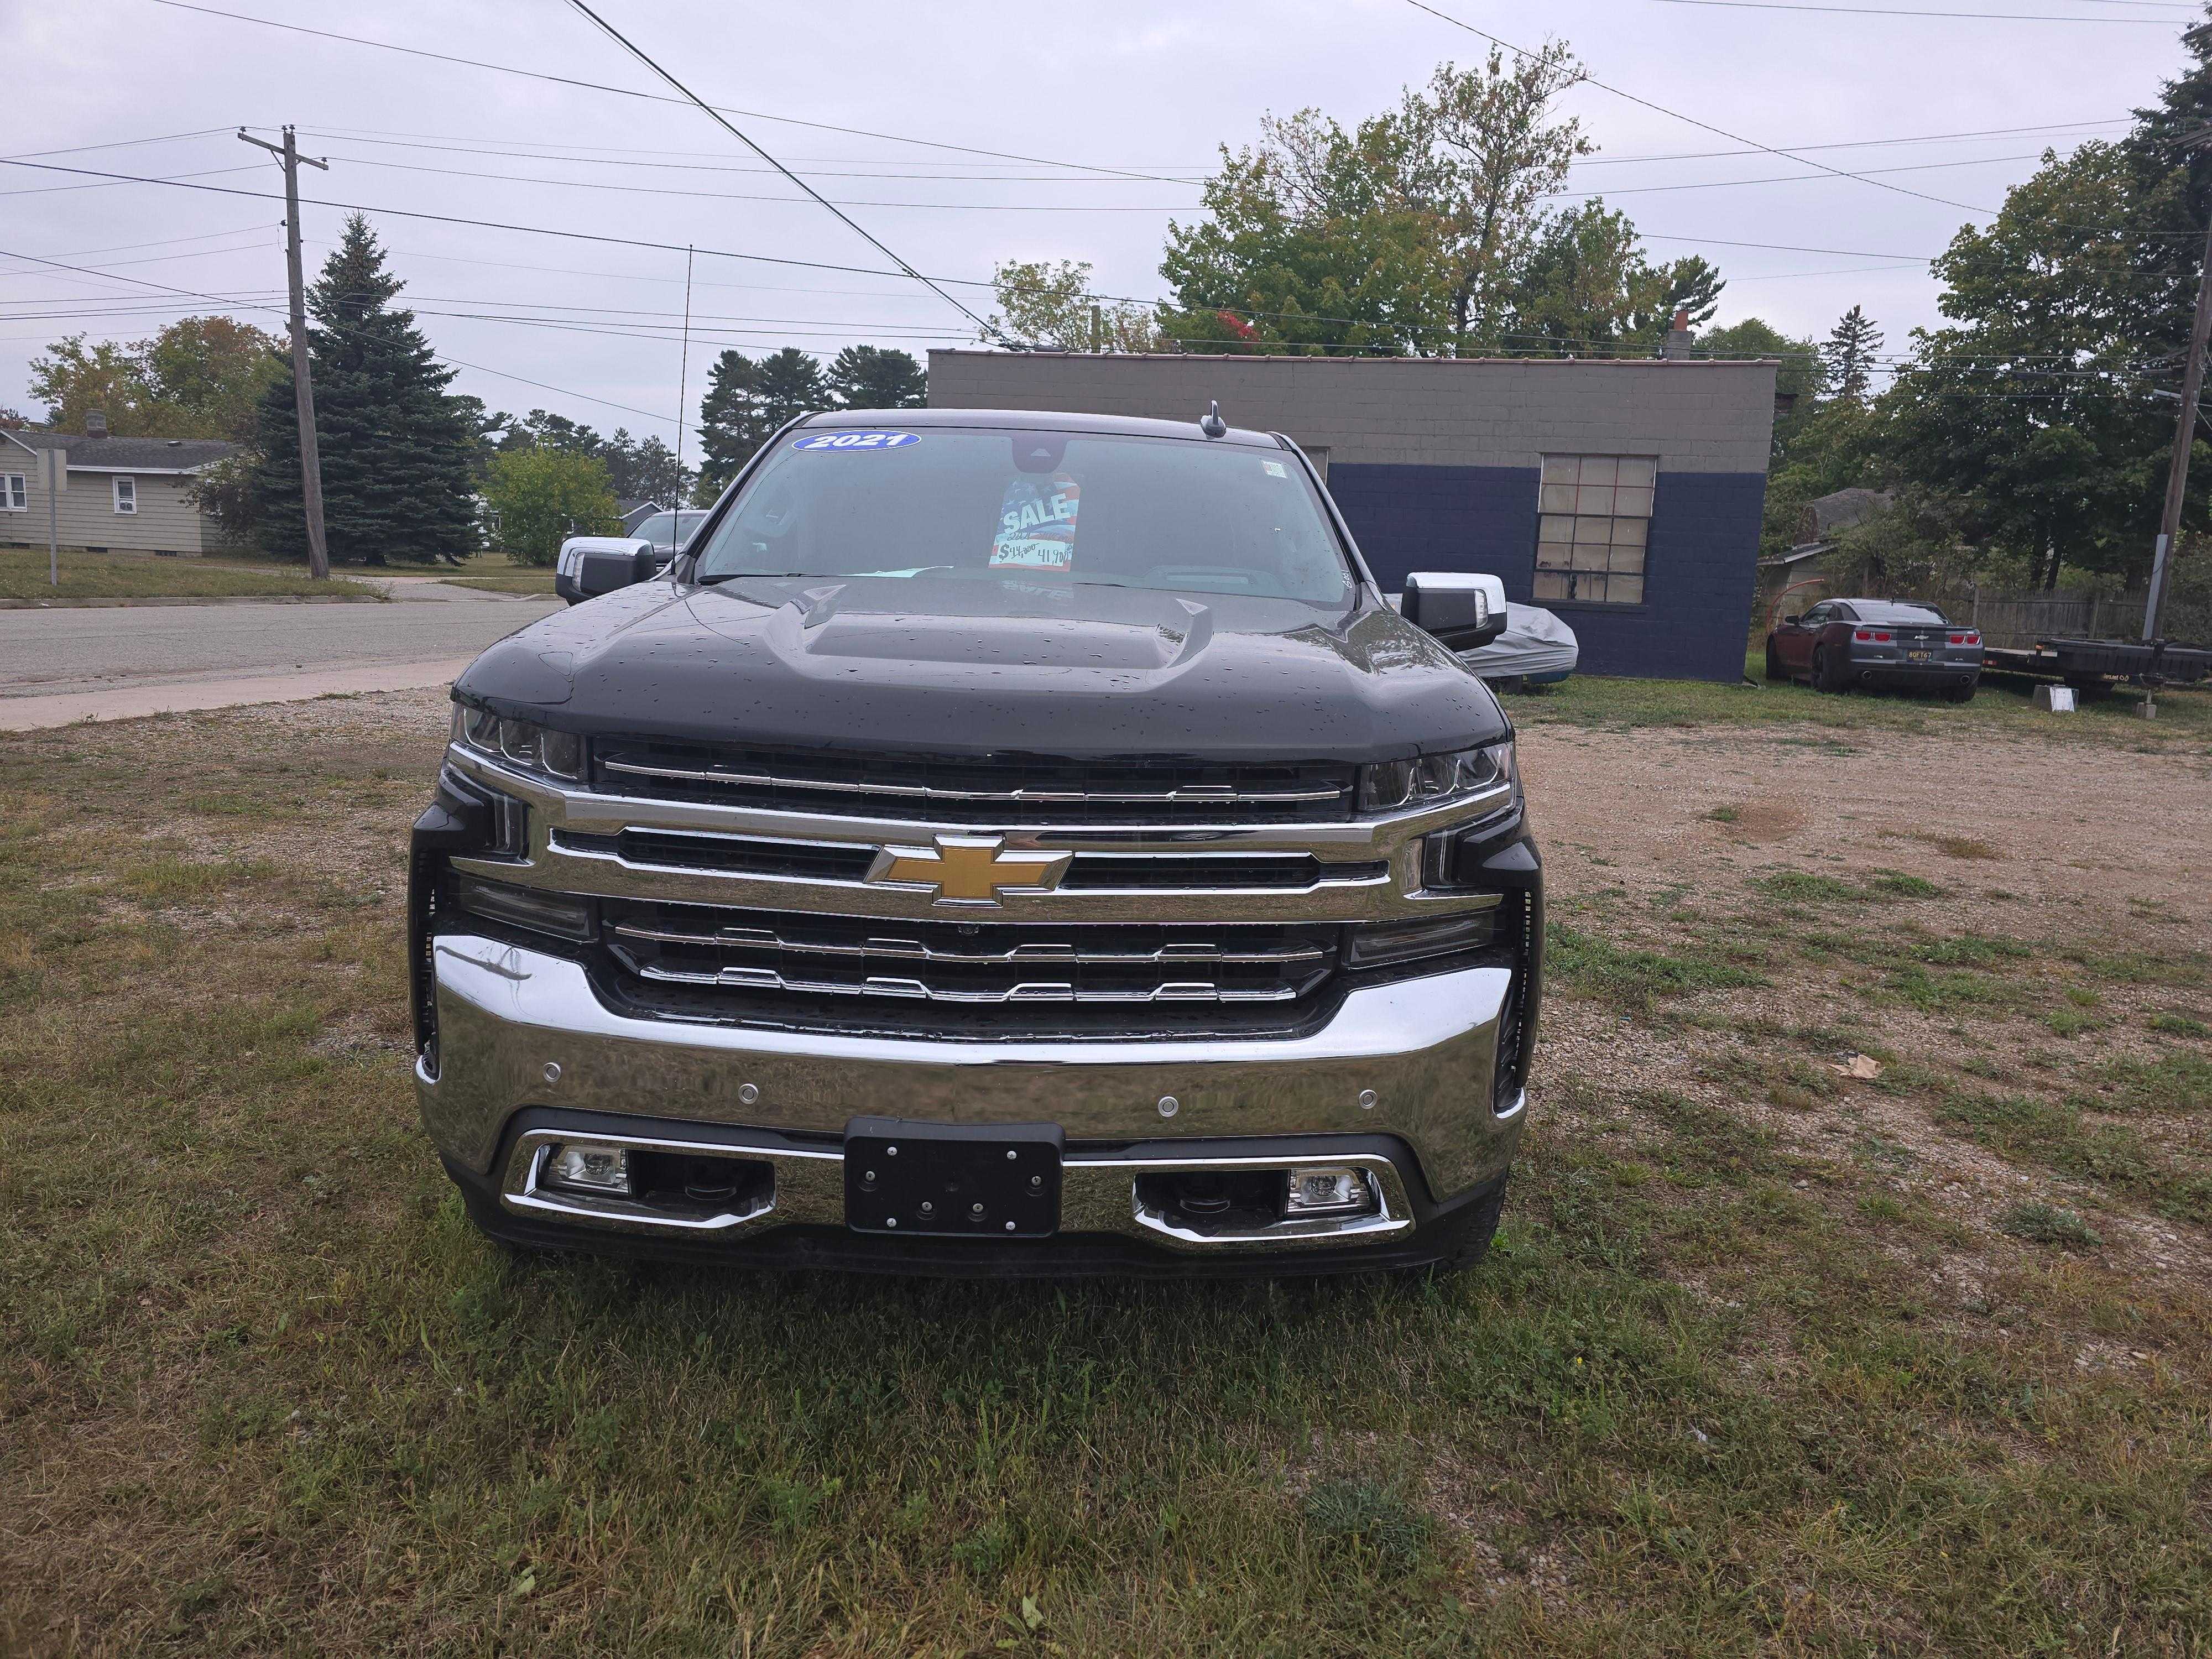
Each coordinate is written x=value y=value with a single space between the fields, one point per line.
x=57 y=477
x=682 y=405
x=303 y=387
x=2184 y=437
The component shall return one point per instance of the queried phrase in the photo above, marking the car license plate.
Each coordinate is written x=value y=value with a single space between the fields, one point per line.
x=1918 y=656
x=938 y=1180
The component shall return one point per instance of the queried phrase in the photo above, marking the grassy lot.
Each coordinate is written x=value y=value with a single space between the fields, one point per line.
x=2003 y=705
x=140 y=575
x=1769 y=1359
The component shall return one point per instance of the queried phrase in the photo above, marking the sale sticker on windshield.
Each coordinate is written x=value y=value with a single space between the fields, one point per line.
x=843 y=440
x=1037 y=525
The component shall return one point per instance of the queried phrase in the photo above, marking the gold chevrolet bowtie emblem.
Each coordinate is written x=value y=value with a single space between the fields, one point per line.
x=968 y=869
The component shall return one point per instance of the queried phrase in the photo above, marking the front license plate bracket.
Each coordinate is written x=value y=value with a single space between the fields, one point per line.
x=957 y=1180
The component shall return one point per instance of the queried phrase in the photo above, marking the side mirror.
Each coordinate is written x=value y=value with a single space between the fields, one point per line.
x=592 y=565
x=1792 y=621
x=1461 y=611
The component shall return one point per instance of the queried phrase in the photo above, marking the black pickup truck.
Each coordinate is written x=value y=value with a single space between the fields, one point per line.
x=999 y=844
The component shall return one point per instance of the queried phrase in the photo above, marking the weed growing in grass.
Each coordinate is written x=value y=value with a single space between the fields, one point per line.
x=2044 y=1223
x=1805 y=887
x=2179 y=1025
x=2180 y=1082
x=1724 y=815
x=1367 y=1517
x=1896 y=884
x=1957 y=846
x=1585 y=965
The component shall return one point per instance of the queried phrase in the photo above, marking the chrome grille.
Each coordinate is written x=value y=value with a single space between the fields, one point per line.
x=775 y=956
x=844 y=861
x=944 y=789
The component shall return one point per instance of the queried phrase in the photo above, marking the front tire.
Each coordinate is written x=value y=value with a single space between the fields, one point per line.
x=1774 y=672
x=1472 y=1245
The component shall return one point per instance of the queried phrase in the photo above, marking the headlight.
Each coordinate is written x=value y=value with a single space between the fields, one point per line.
x=1432 y=779
x=522 y=743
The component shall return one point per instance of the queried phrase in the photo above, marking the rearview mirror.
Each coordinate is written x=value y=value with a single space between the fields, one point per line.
x=592 y=565
x=1461 y=609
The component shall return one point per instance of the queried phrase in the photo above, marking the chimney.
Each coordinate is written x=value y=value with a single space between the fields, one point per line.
x=1677 y=343
x=95 y=423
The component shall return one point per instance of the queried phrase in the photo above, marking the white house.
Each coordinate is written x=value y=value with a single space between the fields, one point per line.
x=118 y=494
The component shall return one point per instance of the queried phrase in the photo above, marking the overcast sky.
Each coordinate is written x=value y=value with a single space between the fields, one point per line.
x=1139 y=86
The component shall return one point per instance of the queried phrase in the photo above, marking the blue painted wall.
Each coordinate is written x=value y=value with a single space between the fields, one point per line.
x=1699 y=567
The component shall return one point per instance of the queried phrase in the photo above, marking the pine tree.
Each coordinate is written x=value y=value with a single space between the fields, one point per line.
x=397 y=448
x=791 y=384
x=866 y=377
x=1850 y=351
x=733 y=424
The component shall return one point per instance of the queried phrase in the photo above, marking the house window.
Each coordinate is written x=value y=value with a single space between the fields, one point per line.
x=1594 y=520
x=126 y=495
x=12 y=497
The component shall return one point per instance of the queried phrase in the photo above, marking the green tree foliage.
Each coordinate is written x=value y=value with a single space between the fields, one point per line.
x=1051 y=306
x=747 y=401
x=201 y=377
x=1309 y=246
x=869 y=377
x=543 y=495
x=2031 y=405
x=1423 y=230
x=1582 y=288
x=640 y=469
x=1799 y=382
x=733 y=421
x=1479 y=153
x=397 y=448
x=1852 y=343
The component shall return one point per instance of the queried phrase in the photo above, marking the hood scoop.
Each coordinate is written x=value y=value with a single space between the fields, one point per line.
x=824 y=626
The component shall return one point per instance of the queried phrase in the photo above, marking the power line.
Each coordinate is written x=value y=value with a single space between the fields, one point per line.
x=1707 y=126
x=193 y=293
x=1891 y=11
x=577 y=156
x=808 y=264
x=722 y=121
x=1852 y=143
x=1033 y=207
x=733 y=196
x=607 y=155
x=649 y=97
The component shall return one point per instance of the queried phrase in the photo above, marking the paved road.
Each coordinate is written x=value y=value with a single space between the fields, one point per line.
x=65 y=665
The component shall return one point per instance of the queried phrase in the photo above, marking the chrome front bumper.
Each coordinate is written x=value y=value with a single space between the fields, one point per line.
x=1412 y=1062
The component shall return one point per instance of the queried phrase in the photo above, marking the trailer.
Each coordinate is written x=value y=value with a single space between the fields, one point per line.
x=2092 y=664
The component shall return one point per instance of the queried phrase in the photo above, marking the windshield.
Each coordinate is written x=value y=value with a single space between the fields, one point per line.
x=1034 y=508
x=655 y=529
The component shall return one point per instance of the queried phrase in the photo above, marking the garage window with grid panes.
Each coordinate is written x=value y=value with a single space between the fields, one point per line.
x=1595 y=519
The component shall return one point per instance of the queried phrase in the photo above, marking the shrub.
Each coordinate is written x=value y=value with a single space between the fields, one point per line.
x=542 y=496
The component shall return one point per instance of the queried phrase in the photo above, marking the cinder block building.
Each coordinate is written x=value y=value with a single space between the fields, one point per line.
x=1623 y=494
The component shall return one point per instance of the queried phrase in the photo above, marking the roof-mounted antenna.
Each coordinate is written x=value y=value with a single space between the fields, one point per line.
x=1214 y=426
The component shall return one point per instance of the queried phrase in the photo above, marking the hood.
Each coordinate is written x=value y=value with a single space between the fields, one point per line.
x=942 y=666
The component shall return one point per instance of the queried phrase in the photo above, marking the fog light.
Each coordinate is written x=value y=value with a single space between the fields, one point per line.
x=1330 y=1191
x=588 y=1169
